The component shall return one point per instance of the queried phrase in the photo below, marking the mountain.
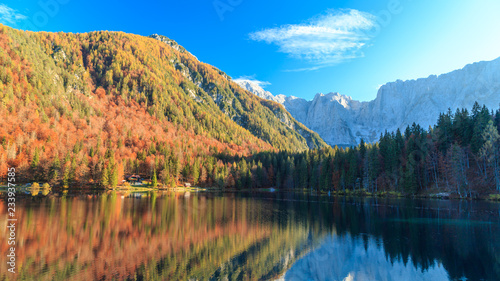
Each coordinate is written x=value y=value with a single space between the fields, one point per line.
x=78 y=106
x=288 y=133
x=340 y=120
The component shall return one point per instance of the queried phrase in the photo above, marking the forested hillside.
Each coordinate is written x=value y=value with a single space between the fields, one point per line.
x=91 y=107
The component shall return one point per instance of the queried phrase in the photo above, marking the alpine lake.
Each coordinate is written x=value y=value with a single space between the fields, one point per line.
x=76 y=235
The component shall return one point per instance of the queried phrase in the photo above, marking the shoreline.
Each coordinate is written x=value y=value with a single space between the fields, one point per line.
x=340 y=193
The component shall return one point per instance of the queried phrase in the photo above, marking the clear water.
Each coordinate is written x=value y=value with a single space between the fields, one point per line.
x=251 y=236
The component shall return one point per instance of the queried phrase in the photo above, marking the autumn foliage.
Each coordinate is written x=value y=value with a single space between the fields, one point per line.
x=89 y=108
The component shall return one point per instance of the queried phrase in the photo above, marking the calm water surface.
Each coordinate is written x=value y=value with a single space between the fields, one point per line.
x=251 y=236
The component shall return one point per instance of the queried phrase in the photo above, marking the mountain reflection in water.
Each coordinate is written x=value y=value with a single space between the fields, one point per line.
x=345 y=258
x=251 y=236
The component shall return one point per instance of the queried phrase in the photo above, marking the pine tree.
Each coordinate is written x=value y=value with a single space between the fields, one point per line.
x=461 y=128
x=105 y=177
x=248 y=182
x=490 y=150
x=362 y=148
x=373 y=167
x=66 y=176
x=175 y=166
x=154 y=180
x=54 y=170
x=352 y=173
x=195 y=172
x=260 y=174
x=113 y=177
x=497 y=119
x=290 y=170
x=444 y=133
x=480 y=120
x=35 y=162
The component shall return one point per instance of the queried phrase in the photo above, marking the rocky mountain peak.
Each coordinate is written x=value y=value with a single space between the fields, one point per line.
x=340 y=120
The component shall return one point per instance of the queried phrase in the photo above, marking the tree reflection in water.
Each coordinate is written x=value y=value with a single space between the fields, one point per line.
x=208 y=236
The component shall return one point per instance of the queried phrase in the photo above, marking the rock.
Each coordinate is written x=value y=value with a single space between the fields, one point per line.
x=342 y=121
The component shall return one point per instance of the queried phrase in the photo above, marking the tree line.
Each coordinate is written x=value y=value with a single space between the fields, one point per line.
x=460 y=154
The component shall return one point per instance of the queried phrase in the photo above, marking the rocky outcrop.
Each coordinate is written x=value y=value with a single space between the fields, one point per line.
x=340 y=120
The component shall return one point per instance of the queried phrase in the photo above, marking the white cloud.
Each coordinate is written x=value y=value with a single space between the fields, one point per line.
x=324 y=40
x=9 y=15
x=252 y=79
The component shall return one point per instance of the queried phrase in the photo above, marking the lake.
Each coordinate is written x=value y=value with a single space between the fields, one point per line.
x=251 y=236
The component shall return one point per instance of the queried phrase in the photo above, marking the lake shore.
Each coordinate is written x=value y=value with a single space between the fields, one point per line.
x=431 y=194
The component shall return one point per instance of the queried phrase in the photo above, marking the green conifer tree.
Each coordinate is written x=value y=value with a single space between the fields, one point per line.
x=113 y=177
x=54 y=170
x=154 y=180
x=490 y=150
x=105 y=177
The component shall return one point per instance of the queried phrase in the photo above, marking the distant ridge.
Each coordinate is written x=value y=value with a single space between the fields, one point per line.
x=340 y=120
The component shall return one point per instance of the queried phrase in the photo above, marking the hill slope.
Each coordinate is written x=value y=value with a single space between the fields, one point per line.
x=236 y=103
x=78 y=104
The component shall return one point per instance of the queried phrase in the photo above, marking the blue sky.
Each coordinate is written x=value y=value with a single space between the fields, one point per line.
x=350 y=47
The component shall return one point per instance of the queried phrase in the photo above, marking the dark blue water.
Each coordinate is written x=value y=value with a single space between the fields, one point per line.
x=253 y=236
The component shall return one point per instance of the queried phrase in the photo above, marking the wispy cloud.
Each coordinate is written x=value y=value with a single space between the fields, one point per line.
x=252 y=79
x=9 y=15
x=322 y=41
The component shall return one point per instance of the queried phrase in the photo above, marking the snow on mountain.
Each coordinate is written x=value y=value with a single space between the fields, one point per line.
x=340 y=120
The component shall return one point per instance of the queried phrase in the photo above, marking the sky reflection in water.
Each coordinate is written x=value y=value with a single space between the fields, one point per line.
x=259 y=236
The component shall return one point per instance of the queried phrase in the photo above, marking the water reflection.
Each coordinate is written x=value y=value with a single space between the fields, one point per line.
x=261 y=236
x=346 y=258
